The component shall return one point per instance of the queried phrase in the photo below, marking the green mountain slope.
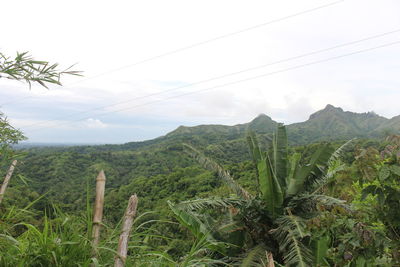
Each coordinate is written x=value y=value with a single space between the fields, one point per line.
x=390 y=126
x=328 y=124
x=333 y=123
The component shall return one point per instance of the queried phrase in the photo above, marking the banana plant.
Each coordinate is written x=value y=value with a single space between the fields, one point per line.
x=289 y=194
x=280 y=176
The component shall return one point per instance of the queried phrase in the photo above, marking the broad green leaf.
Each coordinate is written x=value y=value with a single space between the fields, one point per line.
x=321 y=247
x=395 y=169
x=280 y=155
x=319 y=159
x=384 y=173
x=269 y=186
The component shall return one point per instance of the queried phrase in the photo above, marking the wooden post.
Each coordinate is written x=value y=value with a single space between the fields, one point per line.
x=7 y=180
x=98 y=207
x=126 y=229
x=270 y=259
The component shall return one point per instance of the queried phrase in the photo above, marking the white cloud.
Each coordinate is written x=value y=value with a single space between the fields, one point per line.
x=106 y=35
x=95 y=124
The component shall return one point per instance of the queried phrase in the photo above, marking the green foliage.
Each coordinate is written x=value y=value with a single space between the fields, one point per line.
x=277 y=218
x=386 y=190
x=24 y=68
x=283 y=203
x=270 y=185
x=8 y=134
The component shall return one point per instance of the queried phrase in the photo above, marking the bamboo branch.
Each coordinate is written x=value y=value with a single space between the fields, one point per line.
x=98 y=207
x=126 y=229
x=7 y=180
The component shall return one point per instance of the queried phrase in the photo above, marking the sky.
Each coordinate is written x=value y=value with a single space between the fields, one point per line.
x=151 y=66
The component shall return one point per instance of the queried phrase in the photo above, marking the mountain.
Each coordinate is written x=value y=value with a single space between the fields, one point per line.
x=391 y=126
x=261 y=124
x=328 y=124
x=332 y=123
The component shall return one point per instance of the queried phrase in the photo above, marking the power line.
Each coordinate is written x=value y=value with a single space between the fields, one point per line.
x=226 y=75
x=234 y=82
x=216 y=39
x=194 y=45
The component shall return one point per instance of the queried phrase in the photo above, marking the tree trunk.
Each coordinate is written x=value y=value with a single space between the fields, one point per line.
x=126 y=229
x=7 y=180
x=98 y=207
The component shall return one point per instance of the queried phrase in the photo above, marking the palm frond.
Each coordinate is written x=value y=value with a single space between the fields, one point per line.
x=199 y=228
x=318 y=184
x=200 y=254
x=311 y=201
x=334 y=165
x=255 y=257
x=290 y=232
x=338 y=153
x=307 y=173
x=222 y=173
x=214 y=202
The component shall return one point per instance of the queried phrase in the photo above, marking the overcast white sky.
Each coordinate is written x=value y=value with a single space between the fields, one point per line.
x=102 y=36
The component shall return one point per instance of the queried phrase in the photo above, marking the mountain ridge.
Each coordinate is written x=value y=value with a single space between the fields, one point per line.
x=330 y=123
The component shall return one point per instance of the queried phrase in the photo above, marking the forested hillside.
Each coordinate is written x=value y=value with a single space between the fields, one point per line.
x=63 y=171
x=61 y=180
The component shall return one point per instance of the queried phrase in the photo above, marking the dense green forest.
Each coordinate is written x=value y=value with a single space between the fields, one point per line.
x=256 y=194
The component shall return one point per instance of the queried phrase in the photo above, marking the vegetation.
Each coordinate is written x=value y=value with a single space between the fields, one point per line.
x=26 y=69
x=312 y=204
x=288 y=199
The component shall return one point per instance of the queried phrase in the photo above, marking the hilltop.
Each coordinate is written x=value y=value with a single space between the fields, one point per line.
x=329 y=124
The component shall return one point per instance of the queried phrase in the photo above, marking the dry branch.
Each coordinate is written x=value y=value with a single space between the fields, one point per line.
x=126 y=229
x=7 y=180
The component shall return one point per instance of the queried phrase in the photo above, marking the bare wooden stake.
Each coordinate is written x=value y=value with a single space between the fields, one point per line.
x=127 y=223
x=98 y=207
x=7 y=180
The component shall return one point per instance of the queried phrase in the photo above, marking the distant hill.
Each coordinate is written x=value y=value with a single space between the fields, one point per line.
x=332 y=123
x=261 y=124
x=328 y=124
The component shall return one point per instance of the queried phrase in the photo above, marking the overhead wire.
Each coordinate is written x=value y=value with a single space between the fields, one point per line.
x=232 y=83
x=224 y=76
x=192 y=46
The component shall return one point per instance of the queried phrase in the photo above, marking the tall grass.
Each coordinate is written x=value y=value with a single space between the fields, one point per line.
x=51 y=237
